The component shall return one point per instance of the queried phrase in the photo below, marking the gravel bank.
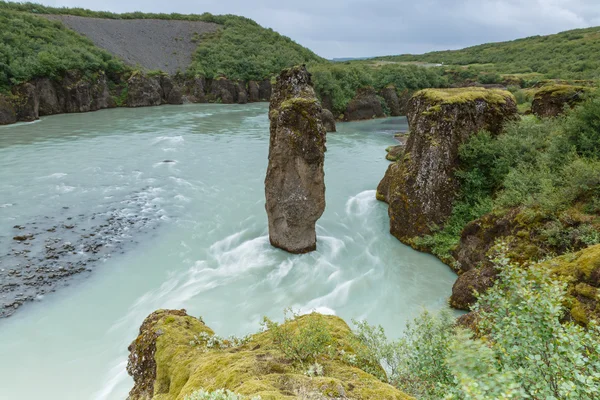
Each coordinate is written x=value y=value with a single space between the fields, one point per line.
x=153 y=44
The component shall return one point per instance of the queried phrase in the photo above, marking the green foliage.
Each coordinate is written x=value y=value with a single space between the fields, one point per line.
x=220 y=394
x=567 y=55
x=300 y=341
x=32 y=46
x=338 y=82
x=246 y=51
x=525 y=351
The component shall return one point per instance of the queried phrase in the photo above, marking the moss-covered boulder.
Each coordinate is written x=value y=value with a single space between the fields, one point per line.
x=551 y=100
x=7 y=112
x=365 y=105
x=295 y=184
x=395 y=153
x=171 y=358
x=421 y=187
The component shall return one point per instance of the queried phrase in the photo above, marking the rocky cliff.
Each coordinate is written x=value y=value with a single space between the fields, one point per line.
x=551 y=100
x=75 y=93
x=176 y=354
x=295 y=186
x=420 y=188
x=365 y=105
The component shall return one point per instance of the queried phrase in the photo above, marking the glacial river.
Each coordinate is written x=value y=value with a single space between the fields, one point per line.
x=191 y=178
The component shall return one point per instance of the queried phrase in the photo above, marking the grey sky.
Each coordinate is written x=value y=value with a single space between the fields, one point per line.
x=356 y=28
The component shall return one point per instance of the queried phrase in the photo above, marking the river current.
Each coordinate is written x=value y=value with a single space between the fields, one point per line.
x=194 y=175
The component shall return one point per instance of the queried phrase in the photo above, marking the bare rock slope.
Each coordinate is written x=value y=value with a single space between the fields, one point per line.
x=167 y=45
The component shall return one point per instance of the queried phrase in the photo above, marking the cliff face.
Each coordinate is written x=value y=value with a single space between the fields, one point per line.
x=365 y=105
x=421 y=188
x=295 y=182
x=173 y=356
x=75 y=93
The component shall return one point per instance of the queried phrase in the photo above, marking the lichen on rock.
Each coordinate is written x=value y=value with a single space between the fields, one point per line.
x=294 y=185
x=168 y=361
x=551 y=100
x=421 y=187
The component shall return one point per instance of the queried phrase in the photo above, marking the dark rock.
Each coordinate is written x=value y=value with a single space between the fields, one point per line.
x=25 y=102
x=7 y=112
x=551 y=100
x=194 y=90
x=253 y=92
x=171 y=91
x=420 y=189
x=223 y=90
x=468 y=284
x=365 y=105
x=328 y=120
x=404 y=99
x=390 y=96
x=50 y=102
x=144 y=91
x=264 y=90
x=395 y=153
x=295 y=186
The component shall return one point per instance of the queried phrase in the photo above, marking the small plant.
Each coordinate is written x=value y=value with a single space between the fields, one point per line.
x=302 y=340
x=220 y=394
x=217 y=342
x=315 y=369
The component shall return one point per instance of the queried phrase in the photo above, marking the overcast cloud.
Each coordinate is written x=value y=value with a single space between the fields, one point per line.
x=358 y=28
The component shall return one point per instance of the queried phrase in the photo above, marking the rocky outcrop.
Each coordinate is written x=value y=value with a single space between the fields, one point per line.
x=420 y=188
x=7 y=112
x=193 y=89
x=328 y=120
x=365 y=105
x=476 y=280
x=551 y=100
x=176 y=354
x=390 y=96
x=83 y=95
x=404 y=99
x=25 y=102
x=264 y=90
x=253 y=91
x=224 y=91
x=144 y=91
x=49 y=101
x=395 y=153
x=295 y=186
x=171 y=91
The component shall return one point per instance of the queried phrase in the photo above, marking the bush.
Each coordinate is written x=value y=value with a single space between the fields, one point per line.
x=301 y=340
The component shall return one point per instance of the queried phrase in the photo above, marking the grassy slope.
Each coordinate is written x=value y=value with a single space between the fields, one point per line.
x=568 y=55
x=241 y=50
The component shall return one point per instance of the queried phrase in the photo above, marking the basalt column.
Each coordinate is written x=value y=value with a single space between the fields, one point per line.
x=295 y=186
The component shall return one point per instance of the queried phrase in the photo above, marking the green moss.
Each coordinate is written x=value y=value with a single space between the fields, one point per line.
x=561 y=90
x=257 y=367
x=464 y=95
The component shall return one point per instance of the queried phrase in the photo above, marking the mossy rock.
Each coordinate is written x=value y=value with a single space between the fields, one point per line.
x=439 y=97
x=551 y=100
x=166 y=365
x=581 y=271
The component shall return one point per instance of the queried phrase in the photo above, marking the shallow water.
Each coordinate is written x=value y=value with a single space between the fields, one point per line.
x=207 y=251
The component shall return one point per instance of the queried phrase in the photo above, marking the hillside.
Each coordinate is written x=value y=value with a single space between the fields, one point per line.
x=228 y=45
x=567 y=55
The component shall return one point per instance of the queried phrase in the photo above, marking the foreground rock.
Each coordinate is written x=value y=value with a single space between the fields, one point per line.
x=365 y=105
x=551 y=100
x=420 y=188
x=295 y=185
x=172 y=357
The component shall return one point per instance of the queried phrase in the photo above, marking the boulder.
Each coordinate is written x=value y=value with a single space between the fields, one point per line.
x=171 y=92
x=390 y=96
x=253 y=92
x=176 y=354
x=144 y=91
x=295 y=186
x=7 y=112
x=365 y=105
x=100 y=94
x=194 y=90
x=328 y=120
x=476 y=280
x=50 y=101
x=551 y=100
x=264 y=90
x=420 y=188
x=395 y=153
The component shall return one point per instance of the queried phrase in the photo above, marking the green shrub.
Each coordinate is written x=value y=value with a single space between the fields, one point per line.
x=302 y=341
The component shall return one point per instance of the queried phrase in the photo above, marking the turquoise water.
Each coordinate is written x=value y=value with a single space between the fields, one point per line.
x=208 y=249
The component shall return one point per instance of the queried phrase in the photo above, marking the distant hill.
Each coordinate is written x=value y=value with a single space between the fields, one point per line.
x=572 y=54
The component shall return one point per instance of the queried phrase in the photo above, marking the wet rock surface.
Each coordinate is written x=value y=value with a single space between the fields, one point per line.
x=42 y=256
x=295 y=185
